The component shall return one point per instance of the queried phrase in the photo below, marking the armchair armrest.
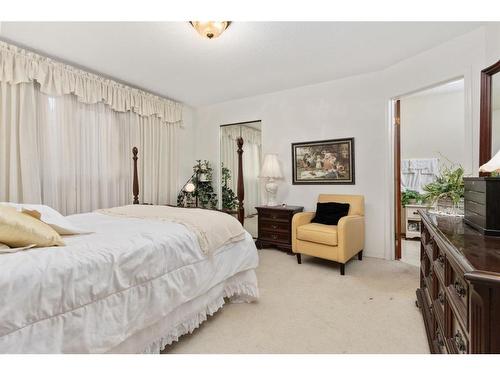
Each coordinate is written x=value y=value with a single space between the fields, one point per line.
x=351 y=236
x=299 y=219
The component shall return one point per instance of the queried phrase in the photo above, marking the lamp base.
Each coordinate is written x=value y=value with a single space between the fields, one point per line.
x=271 y=189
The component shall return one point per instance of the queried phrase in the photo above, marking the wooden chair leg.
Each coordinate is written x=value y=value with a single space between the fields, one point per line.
x=342 y=269
x=360 y=255
x=299 y=258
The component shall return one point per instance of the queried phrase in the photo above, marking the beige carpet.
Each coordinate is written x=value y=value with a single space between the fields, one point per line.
x=310 y=308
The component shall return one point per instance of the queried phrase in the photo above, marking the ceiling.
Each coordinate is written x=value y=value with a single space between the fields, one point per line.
x=250 y=58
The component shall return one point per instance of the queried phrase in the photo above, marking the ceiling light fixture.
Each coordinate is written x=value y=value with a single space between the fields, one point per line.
x=210 y=29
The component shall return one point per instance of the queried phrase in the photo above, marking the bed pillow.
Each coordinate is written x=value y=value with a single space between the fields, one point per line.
x=49 y=216
x=18 y=229
x=330 y=213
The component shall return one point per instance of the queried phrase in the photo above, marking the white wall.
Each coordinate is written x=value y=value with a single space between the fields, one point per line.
x=353 y=107
x=432 y=126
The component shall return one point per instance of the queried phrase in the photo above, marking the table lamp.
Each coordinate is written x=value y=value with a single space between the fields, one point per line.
x=271 y=170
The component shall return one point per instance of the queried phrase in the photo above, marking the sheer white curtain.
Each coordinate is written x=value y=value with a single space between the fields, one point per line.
x=251 y=161
x=76 y=157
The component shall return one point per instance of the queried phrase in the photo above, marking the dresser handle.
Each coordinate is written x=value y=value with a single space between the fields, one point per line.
x=274 y=236
x=439 y=338
x=274 y=226
x=459 y=342
x=459 y=288
x=440 y=259
x=441 y=297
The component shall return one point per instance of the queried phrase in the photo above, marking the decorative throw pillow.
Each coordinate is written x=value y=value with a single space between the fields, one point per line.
x=49 y=216
x=330 y=213
x=19 y=229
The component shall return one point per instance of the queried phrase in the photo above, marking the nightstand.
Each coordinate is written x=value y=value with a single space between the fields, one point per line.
x=275 y=226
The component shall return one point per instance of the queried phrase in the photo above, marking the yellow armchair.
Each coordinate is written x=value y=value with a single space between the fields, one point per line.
x=338 y=243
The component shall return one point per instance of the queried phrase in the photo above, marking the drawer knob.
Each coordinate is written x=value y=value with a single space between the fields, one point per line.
x=274 y=236
x=459 y=288
x=460 y=343
x=274 y=226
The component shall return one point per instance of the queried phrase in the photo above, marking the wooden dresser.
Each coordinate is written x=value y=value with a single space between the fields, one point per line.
x=459 y=292
x=275 y=226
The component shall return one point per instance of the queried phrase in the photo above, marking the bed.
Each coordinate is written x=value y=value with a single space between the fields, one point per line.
x=132 y=285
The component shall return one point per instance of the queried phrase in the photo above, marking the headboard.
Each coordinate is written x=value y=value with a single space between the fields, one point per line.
x=240 y=189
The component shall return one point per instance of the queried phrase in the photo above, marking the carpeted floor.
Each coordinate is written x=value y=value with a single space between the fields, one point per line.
x=310 y=308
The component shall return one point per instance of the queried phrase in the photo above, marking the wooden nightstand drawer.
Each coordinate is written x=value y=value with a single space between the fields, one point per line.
x=276 y=226
x=274 y=215
x=274 y=236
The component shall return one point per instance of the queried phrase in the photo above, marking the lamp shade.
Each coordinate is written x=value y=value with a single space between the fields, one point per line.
x=271 y=167
x=493 y=165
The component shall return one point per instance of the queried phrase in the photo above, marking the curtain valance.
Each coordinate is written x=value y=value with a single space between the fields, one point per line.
x=18 y=65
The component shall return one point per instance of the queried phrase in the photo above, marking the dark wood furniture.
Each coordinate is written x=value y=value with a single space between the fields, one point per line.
x=459 y=292
x=485 y=129
x=482 y=204
x=275 y=226
x=240 y=190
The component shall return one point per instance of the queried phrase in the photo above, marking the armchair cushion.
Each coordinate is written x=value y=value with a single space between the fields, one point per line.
x=329 y=213
x=318 y=233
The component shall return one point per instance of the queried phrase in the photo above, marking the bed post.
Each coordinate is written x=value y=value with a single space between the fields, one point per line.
x=135 y=185
x=240 y=193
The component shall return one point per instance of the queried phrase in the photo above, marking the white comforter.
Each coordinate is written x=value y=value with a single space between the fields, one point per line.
x=104 y=287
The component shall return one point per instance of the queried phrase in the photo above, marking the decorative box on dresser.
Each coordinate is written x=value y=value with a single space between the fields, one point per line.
x=275 y=226
x=459 y=293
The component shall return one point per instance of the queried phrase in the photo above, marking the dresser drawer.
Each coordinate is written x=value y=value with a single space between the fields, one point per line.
x=477 y=208
x=475 y=218
x=475 y=196
x=273 y=225
x=274 y=215
x=440 y=340
x=475 y=185
x=274 y=236
x=412 y=213
x=458 y=293
x=458 y=339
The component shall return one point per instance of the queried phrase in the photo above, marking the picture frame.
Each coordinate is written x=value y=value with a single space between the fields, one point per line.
x=323 y=162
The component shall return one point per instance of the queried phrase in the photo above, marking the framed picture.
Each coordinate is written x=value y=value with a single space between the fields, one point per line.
x=323 y=162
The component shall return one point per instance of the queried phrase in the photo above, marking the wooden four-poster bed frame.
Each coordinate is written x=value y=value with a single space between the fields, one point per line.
x=240 y=189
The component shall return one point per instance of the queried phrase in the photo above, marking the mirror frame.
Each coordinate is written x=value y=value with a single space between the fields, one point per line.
x=485 y=128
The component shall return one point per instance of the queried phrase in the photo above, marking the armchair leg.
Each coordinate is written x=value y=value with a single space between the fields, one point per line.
x=342 y=269
x=360 y=255
x=299 y=258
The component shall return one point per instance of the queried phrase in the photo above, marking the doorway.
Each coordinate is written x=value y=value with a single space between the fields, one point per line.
x=429 y=137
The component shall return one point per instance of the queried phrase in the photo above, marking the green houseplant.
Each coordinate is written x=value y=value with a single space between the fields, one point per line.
x=207 y=198
x=410 y=197
x=448 y=189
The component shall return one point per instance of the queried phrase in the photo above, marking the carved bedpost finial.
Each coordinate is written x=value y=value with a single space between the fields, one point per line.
x=135 y=186
x=241 y=187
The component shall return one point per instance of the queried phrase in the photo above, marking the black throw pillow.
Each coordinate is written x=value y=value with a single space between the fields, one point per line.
x=330 y=213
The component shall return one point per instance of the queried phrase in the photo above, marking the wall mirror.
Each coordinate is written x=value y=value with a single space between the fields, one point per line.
x=250 y=132
x=490 y=113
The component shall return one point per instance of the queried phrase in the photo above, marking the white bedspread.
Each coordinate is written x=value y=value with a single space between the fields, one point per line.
x=103 y=288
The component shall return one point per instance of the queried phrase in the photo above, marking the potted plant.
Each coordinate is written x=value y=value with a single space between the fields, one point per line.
x=205 y=194
x=447 y=190
x=410 y=197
